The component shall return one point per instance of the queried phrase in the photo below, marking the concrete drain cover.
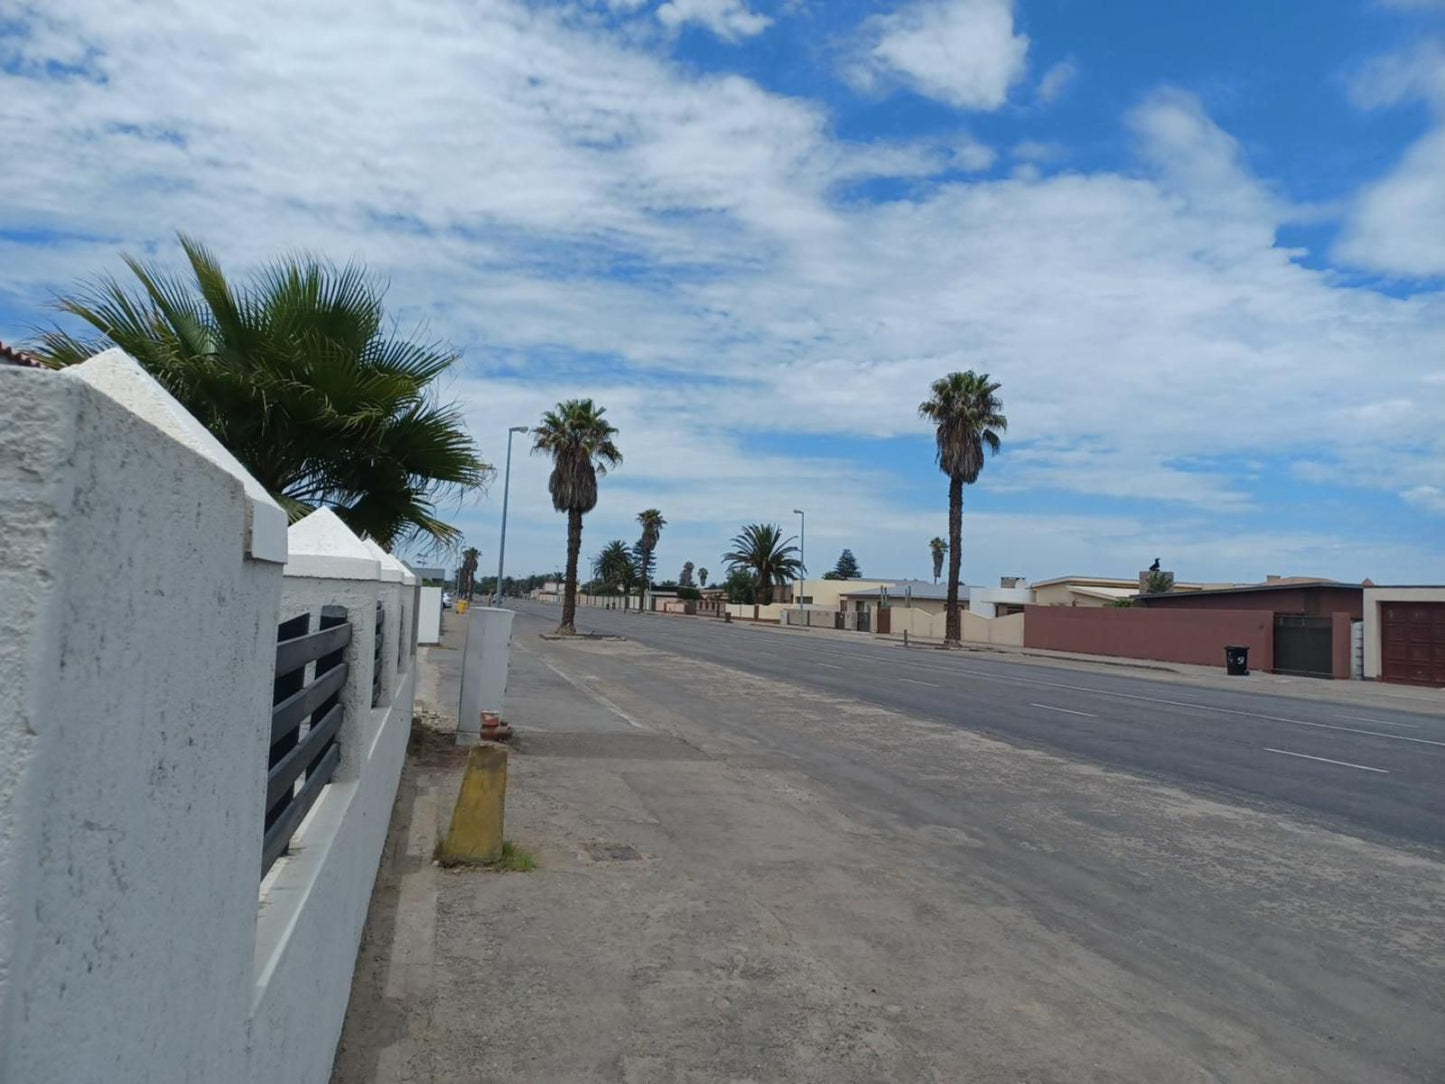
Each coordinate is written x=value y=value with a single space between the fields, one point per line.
x=612 y=852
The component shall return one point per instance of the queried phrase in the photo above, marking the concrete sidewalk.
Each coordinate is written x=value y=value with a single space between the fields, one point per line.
x=742 y=880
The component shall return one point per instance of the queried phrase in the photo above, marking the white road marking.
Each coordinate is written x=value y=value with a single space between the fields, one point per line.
x=595 y=695
x=829 y=665
x=1327 y=760
x=1377 y=722
x=911 y=681
x=1066 y=711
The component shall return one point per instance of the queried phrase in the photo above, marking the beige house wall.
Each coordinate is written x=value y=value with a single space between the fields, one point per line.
x=829 y=592
x=1063 y=594
x=931 y=625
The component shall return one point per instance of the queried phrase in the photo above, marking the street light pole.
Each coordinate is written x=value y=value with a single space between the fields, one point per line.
x=506 y=487
x=802 y=558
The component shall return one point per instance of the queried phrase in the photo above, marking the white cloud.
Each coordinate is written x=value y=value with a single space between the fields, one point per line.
x=1431 y=498
x=1057 y=80
x=1397 y=224
x=728 y=19
x=587 y=218
x=962 y=52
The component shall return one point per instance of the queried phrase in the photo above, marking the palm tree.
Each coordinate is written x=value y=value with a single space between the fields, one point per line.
x=614 y=566
x=938 y=547
x=965 y=412
x=652 y=525
x=702 y=576
x=684 y=578
x=579 y=440
x=295 y=373
x=468 y=576
x=762 y=549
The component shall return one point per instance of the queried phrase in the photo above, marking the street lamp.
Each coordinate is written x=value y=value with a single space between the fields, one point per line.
x=802 y=558
x=506 y=486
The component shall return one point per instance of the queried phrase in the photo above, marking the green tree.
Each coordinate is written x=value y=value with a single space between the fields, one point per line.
x=295 y=373
x=847 y=567
x=652 y=525
x=579 y=440
x=702 y=577
x=741 y=586
x=964 y=409
x=937 y=547
x=684 y=579
x=762 y=549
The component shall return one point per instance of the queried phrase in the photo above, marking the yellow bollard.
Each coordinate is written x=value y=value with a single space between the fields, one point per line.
x=462 y=605
x=475 y=835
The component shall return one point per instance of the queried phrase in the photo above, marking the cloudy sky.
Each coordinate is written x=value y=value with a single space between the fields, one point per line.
x=1201 y=244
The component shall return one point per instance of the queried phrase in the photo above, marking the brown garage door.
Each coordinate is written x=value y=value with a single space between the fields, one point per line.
x=1413 y=642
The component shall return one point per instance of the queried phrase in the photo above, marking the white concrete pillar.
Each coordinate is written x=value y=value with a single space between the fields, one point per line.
x=484 y=668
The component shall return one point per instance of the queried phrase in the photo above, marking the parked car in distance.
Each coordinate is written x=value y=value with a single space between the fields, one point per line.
x=446 y=600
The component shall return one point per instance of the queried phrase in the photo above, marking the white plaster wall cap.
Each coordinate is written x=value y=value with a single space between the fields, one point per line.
x=118 y=376
x=325 y=548
x=392 y=570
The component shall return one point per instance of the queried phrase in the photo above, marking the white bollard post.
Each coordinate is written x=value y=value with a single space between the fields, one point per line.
x=484 y=669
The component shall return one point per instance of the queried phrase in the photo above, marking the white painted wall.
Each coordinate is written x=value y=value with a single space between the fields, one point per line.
x=139 y=598
x=984 y=601
x=429 y=616
x=1373 y=631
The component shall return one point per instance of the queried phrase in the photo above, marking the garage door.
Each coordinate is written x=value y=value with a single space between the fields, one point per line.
x=1412 y=646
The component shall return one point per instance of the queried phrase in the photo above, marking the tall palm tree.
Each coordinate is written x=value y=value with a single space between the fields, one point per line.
x=938 y=547
x=468 y=584
x=762 y=549
x=652 y=525
x=579 y=440
x=964 y=409
x=702 y=576
x=294 y=371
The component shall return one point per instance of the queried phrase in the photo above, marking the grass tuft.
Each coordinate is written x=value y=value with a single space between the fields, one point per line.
x=515 y=859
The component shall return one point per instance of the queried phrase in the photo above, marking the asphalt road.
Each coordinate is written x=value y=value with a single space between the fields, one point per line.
x=1379 y=774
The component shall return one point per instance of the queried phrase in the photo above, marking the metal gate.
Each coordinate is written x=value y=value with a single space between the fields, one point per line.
x=1413 y=642
x=1303 y=645
x=885 y=623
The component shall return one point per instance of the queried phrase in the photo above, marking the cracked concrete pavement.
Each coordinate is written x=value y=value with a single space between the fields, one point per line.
x=742 y=879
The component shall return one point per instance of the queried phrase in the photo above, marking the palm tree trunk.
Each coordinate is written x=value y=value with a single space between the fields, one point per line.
x=953 y=626
x=569 y=594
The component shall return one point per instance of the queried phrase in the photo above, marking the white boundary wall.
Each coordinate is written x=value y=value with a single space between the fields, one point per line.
x=139 y=597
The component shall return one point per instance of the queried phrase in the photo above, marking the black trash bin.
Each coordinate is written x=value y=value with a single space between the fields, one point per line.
x=1236 y=661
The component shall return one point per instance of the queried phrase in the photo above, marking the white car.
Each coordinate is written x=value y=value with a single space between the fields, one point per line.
x=446 y=600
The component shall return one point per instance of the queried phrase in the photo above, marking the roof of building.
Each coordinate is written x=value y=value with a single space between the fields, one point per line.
x=904 y=588
x=12 y=356
x=1291 y=584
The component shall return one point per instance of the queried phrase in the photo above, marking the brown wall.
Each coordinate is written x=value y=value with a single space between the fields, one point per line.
x=1340 y=645
x=1295 y=600
x=1166 y=634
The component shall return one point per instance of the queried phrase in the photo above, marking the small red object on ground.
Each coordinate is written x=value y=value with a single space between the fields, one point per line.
x=493 y=729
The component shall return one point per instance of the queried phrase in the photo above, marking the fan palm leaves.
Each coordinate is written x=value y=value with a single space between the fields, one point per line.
x=295 y=372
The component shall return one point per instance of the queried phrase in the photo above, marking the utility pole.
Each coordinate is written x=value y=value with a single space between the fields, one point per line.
x=802 y=559
x=506 y=487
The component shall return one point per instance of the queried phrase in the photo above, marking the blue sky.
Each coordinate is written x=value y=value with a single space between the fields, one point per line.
x=1202 y=245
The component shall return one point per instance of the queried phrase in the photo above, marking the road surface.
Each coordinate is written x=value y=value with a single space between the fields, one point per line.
x=1375 y=772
